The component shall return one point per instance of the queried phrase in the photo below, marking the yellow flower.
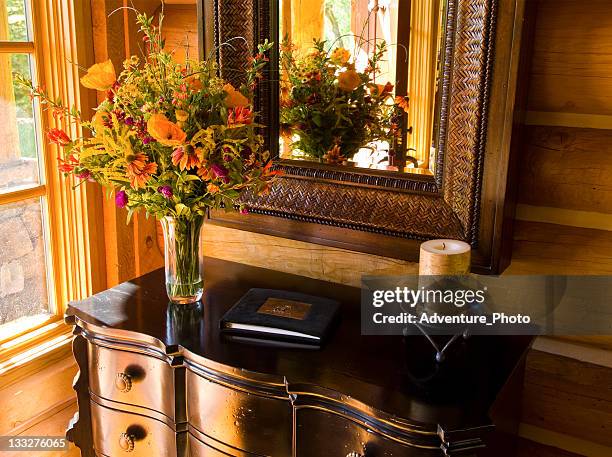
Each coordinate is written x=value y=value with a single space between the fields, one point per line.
x=165 y=131
x=100 y=76
x=181 y=115
x=99 y=119
x=234 y=98
x=348 y=80
x=340 y=56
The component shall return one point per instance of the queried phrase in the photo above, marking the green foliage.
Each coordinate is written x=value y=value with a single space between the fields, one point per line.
x=329 y=106
x=16 y=13
x=174 y=139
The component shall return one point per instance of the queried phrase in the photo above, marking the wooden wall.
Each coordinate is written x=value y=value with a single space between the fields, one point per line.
x=564 y=219
x=566 y=162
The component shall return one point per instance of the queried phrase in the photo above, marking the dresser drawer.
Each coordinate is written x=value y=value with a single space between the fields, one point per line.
x=323 y=433
x=117 y=433
x=246 y=421
x=132 y=378
x=199 y=449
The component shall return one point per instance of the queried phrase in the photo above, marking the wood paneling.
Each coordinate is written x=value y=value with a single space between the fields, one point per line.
x=52 y=425
x=592 y=121
x=572 y=61
x=36 y=394
x=180 y=29
x=298 y=257
x=527 y=448
x=568 y=396
x=557 y=249
x=567 y=168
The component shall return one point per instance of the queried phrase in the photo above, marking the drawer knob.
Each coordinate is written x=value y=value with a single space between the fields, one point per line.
x=123 y=382
x=126 y=442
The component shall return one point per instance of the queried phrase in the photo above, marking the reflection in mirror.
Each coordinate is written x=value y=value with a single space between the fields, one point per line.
x=352 y=93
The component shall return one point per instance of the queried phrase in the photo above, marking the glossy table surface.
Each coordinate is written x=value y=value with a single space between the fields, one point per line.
x=393 y=374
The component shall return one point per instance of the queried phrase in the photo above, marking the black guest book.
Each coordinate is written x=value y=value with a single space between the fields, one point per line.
x=283 y=315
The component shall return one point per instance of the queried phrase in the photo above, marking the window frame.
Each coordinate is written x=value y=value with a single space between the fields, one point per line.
x=61 y=33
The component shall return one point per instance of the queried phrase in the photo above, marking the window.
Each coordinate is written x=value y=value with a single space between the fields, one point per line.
x=26 y=298
x=47 y=256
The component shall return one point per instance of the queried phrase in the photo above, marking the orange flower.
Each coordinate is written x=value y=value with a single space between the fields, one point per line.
x=165 y=131
x=100 y=76
x=139 y=171
x=203 y=172
x=194 y=83
x=185 y=158
x=268 y=171
x=402 y=102
x=379 y=89
x=212 y=188
x=348 y=80
x=234 y=98
x=340 y=56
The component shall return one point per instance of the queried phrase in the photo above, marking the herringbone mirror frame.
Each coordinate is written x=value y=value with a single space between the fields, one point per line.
x=389 y=210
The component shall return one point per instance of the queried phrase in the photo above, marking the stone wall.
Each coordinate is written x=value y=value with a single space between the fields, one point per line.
x=23 y=290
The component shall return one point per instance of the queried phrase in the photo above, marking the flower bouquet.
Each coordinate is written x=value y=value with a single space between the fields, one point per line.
x=174 y=139
x=329 y=110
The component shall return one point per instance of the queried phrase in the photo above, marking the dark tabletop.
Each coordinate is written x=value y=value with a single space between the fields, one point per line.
x=394 y=374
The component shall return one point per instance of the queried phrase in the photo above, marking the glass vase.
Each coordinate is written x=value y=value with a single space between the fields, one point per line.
x=184 y=282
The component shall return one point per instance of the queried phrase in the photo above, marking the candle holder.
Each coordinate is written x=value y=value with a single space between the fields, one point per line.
x=467 y=307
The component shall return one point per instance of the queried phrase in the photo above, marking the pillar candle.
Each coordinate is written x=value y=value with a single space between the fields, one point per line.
x=444 y=257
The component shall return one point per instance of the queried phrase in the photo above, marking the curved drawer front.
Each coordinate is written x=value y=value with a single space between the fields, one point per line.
x=198 y=449
x=132 y=378
x=250 y=422
x=117 y=433
x=323 y=433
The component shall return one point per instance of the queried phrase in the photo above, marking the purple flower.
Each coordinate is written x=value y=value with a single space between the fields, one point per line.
x=147 y=139
x=244 y=211
x=129 y=121
x=219 y=170
x=166 y=191
x=227 y=158
x=121 y=199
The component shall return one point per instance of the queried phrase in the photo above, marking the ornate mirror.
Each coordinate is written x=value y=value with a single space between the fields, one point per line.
x=379 y=114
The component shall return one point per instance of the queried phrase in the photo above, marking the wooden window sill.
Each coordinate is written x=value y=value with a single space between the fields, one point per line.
x=31 y=352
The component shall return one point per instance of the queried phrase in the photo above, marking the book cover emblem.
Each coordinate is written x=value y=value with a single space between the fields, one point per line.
x=285 y=308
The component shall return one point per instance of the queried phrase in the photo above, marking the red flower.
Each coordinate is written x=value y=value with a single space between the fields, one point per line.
x=58 y=137
x=239 y=115
x=67 y=165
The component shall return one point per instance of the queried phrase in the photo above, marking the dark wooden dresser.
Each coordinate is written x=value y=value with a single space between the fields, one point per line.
x=160 y=380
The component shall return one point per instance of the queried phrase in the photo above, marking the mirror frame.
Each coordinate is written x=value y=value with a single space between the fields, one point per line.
x=388 y=213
